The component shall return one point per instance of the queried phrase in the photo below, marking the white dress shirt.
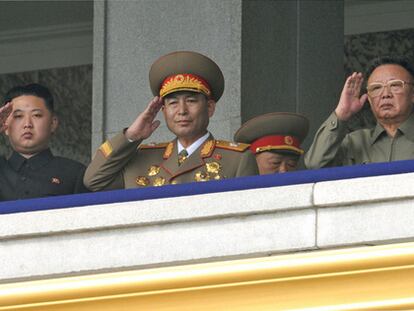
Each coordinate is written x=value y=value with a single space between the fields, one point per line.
x=193 y=147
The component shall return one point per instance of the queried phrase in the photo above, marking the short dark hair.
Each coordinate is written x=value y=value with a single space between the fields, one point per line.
x=392 y=60
x=31 y=89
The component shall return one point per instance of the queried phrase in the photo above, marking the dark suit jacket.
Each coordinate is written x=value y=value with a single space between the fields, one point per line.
x=39 y=176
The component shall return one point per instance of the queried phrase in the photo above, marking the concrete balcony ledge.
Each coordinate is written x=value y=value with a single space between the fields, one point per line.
x=370 y=210
x=239 y=218
x=156 y=211
x=339 y=192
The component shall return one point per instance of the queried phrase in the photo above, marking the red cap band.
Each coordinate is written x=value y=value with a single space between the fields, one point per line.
x=276 y=142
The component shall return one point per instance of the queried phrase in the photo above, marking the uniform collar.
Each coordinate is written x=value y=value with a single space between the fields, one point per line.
x=195 y=160
x=378 y=131
x=406 y=128
x=17 y=160
x=194 y=146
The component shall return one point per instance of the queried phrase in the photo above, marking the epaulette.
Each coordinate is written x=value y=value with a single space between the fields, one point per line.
x=231 y=145
x=153 y=146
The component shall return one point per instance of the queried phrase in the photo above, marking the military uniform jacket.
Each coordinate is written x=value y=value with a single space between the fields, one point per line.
x=334 y=146
x=121 y=164
x=39 y=176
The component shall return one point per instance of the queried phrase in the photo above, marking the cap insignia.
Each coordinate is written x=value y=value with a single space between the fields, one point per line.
x=289 y=140
x=276 y=142
x=184 y=82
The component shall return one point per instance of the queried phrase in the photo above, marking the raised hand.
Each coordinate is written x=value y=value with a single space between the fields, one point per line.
x=350 y=102
x=144 y=125
x=4 y=113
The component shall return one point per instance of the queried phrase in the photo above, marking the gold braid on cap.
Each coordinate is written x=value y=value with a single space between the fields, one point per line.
x=184 y=82
x=276 y=142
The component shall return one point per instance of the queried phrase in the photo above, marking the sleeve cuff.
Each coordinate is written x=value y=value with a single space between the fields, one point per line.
x=333 y=123
x=129 y=140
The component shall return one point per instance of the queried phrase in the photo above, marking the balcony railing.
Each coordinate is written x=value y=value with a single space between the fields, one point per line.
x=202 y=222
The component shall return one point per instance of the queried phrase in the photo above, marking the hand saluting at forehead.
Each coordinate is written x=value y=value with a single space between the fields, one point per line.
x=350 y=102
x=4 y=114
x=145 y=124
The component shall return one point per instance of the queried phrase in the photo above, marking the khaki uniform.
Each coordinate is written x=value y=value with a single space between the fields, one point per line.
x=334 y=146
x=121 y=164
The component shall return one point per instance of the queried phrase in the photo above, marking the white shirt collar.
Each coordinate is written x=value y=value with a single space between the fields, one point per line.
x=194 y=146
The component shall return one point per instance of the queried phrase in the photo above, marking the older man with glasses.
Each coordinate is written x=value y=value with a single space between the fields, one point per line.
x=390 y=93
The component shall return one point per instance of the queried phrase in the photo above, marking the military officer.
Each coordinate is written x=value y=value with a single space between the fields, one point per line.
x=186 y=86
x=29 y=121
x=275 y=140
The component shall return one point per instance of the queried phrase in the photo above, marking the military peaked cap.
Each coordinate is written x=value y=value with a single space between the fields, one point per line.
x=277 y=131
x=186 y=71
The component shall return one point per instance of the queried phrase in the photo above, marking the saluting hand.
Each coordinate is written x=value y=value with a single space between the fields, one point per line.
x=350 y=102
x=4 y=113
x=144 y=125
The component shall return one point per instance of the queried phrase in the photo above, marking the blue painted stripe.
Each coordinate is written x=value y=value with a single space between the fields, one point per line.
x=242 y=183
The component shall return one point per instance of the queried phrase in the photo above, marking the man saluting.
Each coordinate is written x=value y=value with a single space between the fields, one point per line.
x=29 y=121
x=186 y=86
x=390 y=93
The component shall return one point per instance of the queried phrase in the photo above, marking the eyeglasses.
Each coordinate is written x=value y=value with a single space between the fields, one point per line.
x=395 y=86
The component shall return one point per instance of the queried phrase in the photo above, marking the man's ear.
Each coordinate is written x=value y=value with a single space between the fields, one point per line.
x=55 y=124
x=211 y=106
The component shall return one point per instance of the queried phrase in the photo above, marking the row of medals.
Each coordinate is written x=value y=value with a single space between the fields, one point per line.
x=212 y=172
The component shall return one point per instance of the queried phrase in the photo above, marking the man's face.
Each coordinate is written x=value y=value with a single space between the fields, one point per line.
x=30 y=125
x=271 y=162
x=389 y=107
x=187 y=115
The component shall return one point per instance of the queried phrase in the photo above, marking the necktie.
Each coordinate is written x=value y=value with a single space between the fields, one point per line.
x=182 y=156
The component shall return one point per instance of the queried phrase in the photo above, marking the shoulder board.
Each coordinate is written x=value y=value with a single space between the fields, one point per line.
x=231 y=145
x=153 y=146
